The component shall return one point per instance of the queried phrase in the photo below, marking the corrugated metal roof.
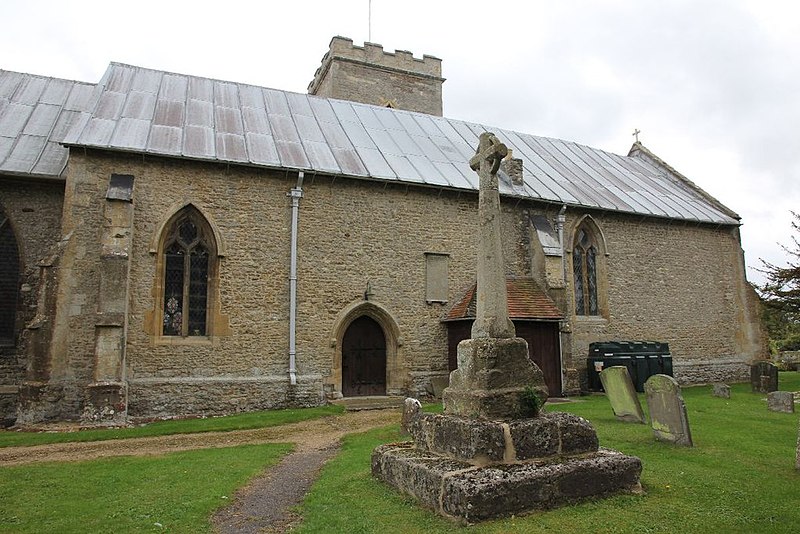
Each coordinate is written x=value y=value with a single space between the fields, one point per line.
x=36 y=113
x=147 y=111
x=526 y=300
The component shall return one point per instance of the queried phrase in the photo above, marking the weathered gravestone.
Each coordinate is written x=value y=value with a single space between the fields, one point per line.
x=780 y=401
x=622 y=395
x=797 y=454
x=493 y=453
x=667 y=410
x=721 y=390
x=763 y=377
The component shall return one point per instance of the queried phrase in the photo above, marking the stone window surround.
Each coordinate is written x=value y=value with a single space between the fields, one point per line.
x=588 y=223
x=216 y=324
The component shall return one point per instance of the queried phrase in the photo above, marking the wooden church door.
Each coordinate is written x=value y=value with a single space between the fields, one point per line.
x=544 y=348
x=363 y=359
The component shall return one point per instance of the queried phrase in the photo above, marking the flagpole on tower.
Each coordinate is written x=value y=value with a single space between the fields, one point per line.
x=369 y=21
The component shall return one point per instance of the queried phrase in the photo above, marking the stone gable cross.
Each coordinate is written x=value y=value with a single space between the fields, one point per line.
x=491 y=316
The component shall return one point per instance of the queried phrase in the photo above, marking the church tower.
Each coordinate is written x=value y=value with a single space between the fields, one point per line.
x=369 y=75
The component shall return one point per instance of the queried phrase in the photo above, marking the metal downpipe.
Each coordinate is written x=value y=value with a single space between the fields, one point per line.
x=296 y=194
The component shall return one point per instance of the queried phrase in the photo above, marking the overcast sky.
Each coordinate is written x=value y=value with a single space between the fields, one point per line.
x=714 y=86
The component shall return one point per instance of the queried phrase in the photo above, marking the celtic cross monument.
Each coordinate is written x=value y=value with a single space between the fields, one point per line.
x=494 y=452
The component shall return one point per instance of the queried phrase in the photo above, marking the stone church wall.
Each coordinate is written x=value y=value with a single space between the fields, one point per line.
x=354 y=235
x=246 y=369
x=361 y=244
x=680 y=283
x=34 y=209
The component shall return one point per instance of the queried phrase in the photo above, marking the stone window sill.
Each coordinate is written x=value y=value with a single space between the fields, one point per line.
x=197 y=341
x=598 y=320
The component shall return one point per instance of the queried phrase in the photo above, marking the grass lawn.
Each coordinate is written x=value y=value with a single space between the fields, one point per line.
x=243 y=421
x=175 y=492
x=739 y=477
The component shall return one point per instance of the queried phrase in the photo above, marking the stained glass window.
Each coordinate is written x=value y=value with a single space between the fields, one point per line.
x=577 y=267
x=9 y=280
x=584 y=270
x=591 y=280
x=186 y=276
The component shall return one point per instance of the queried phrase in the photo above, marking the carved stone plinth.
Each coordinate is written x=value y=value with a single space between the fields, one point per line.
x=495 y=379
x=482 y=442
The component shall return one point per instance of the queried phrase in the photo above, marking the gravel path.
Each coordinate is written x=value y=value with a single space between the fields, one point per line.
x=264 y=505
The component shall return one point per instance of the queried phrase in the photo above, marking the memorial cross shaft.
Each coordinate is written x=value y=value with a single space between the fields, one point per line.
x=491 y=317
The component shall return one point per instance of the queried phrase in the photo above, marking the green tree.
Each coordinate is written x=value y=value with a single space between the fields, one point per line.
x=780 y=294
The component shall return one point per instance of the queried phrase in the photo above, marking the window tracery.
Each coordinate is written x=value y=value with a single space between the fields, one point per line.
x=584 y=270
x=188 y=254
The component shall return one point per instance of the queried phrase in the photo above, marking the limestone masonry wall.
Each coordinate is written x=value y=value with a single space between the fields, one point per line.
x=34 y=209
x=352 y=234
x=673 y=282
x=361 y=247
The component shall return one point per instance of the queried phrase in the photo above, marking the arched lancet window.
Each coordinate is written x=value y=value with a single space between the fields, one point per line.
x=9 y=280
x=584 y=270
x=189 y=262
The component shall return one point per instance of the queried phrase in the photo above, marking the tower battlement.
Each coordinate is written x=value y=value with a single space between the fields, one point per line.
x=370 y=75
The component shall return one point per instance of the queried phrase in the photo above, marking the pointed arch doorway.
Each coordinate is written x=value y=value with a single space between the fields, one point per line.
x=364 y=358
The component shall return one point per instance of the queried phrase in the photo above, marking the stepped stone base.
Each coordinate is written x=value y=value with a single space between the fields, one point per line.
x=458 y=489
x=475 y=469
x=481 y=442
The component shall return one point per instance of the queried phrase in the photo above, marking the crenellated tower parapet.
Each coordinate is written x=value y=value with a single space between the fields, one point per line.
x=370 y=75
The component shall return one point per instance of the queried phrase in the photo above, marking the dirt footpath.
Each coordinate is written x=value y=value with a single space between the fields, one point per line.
x=315 y=434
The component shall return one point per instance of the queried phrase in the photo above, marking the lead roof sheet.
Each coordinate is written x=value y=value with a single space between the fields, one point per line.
x=148 y=111
x=36 y=112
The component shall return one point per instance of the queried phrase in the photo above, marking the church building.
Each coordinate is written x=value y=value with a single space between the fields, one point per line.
x=174 y=245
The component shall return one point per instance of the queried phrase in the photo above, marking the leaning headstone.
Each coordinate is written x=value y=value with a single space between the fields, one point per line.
x=493 y=452
x=721 y=390
x=780 y=401
x=621 y=394
x=667 y=410
x=763 y=377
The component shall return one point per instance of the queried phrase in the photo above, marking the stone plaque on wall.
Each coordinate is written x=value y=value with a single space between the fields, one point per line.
x=436 y=282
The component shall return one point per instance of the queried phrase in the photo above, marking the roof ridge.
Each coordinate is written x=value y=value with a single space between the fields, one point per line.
x=638 y=148
x=167 y=72
x=47 y=77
